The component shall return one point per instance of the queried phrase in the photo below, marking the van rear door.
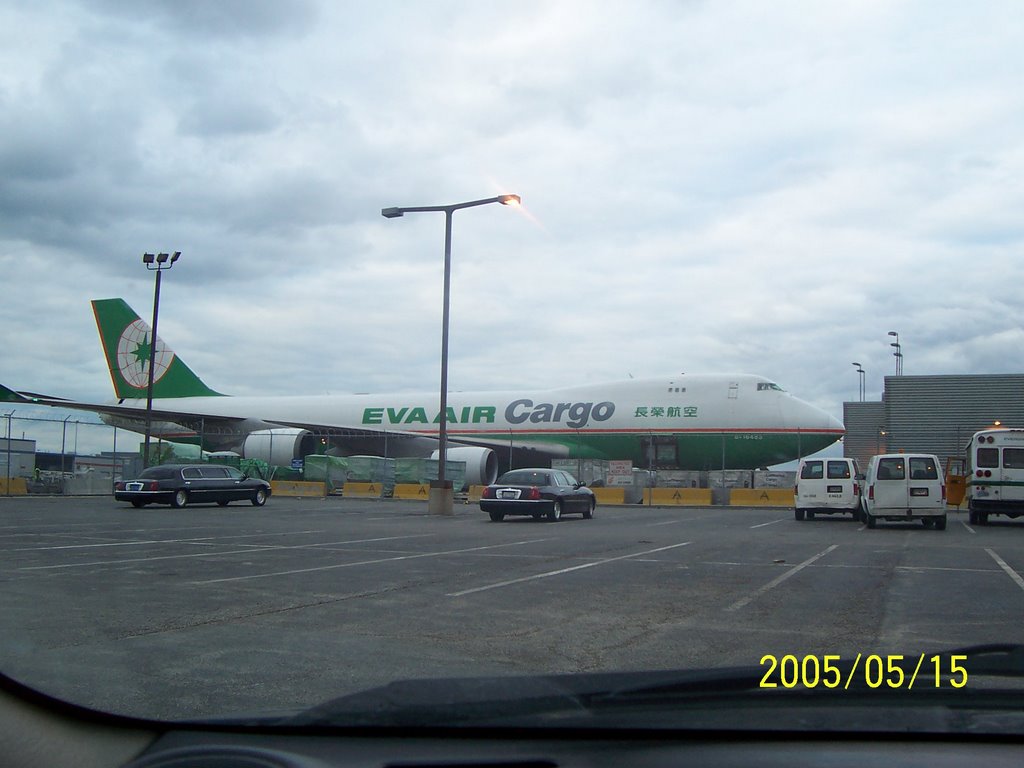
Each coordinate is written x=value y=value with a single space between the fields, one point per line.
x=890 y=483
x=924 y=483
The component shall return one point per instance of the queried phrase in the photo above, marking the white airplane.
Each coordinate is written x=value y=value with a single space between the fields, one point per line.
x=688 y=421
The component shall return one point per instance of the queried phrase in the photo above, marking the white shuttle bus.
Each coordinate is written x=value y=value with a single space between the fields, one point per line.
x=995 y=474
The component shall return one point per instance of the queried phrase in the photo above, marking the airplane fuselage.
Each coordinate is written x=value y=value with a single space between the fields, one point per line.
x=693 y=421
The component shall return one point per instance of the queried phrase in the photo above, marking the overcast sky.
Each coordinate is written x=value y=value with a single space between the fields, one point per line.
x=748 y=186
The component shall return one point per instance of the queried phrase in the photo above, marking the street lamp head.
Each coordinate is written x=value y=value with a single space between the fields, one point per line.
x=391 y=213
x=510 y=199
x=175 y=256
x=161 y=258
x=893 y=333
x=148 y=258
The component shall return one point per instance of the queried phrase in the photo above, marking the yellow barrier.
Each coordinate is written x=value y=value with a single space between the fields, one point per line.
x=415 y=491
x=696 y=497
x=296 y=488
x=475 y=492
x=761 y=497
x=361 y=490
x=18 y=486
x=610 y=495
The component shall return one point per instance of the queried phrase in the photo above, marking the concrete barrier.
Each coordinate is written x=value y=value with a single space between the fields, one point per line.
x=761 y=497
x=355 y=490
x=413 y=491
x=17 y=486
x=693 y=497
x=610 y=495
x=297 y=488
x=475 y=492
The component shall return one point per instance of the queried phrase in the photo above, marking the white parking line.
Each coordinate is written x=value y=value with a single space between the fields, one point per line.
x=367 y=562
x=776 y=581
x=250 y=549
x=1009 y=571
x=564 y=570
x=770 y=522
x=198 y=540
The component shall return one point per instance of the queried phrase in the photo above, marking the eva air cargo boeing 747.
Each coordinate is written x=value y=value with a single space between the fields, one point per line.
x=732 y=421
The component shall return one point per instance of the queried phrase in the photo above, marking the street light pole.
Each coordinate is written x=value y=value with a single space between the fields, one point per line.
x=441 y=490
x=155 y=263
x=861 y=385
x=898 y=354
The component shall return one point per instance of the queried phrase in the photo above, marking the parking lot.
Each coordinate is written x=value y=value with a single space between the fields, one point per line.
x=209 y=609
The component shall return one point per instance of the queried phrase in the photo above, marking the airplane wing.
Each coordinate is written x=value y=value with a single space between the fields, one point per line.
x=204 y=422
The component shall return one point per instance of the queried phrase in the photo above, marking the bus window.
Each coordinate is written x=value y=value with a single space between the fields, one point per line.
x=988 y=457
x=1013 y=458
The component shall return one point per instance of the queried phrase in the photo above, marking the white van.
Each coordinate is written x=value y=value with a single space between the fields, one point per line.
x=905 y=486
x=829 y=486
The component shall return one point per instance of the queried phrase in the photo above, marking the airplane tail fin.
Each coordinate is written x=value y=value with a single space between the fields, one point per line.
x=126 y=340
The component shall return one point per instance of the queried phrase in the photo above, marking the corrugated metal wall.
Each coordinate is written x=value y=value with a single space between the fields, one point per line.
x=933 y=414
x=864 y=424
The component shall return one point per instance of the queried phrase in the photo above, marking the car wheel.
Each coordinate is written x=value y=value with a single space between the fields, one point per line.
x=556 y=511
x=222 y=503
x=973 y=517
x=138 y=504
x=940 y=523
x=810 y=515
x=869 y=519
x=496 y=517
x=260 y=497
x=799 y=514
x=180 y=499
x=588 y=513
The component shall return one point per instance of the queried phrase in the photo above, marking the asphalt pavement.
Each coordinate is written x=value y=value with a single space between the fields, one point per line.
x=214 y=610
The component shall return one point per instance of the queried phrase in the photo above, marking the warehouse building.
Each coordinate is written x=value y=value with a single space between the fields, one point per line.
x=932 y=414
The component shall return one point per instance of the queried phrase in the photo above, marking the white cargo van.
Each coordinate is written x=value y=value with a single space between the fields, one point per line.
x=828 y=486
x=905 y=486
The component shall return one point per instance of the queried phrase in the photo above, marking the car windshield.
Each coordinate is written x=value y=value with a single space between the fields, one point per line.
x=368 y=287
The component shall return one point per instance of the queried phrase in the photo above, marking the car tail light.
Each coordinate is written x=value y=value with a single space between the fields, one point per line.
x=796 y=490
x=943 y=491
x=856 y=489
x=871 y=492
x=533 y=494
x=152 y=485
x=118 y=486
x=488 y=493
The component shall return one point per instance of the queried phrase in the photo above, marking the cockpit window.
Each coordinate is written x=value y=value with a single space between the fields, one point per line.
x=766 y=386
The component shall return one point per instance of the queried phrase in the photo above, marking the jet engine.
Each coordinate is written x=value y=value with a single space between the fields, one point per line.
x=481 y=463
x=279 y=446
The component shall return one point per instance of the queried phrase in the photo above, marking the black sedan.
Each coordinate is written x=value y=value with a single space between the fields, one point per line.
x=181 y=484
x=537 y=493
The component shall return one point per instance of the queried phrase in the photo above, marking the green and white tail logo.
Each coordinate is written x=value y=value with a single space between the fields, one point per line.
x=133 y=354
x=128 y=343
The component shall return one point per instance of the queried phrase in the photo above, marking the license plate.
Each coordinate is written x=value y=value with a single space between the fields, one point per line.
x=918 y=491
x=508 y=494
x=835 y=489
x=134 y=486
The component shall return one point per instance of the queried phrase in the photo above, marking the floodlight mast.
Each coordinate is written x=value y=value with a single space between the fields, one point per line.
x=155 y=263
x=441 y=495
